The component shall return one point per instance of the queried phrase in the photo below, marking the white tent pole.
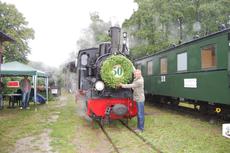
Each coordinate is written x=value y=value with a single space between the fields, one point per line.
x=47 y=91
x=33 y=80
x=35 y=88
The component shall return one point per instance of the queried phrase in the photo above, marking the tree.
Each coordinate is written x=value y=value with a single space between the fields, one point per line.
x=159 y=23
x=148 y=27
x=14 y=24
x=96 y=32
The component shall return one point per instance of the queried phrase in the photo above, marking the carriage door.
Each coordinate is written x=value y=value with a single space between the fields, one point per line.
x=149 y=76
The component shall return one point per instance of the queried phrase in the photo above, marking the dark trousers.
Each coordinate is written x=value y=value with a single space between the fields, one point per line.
x=25 y=99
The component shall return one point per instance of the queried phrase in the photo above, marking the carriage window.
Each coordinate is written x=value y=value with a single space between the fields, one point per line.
x=163 y=65
x=208 y=57
x=182 y=61
x=149 y=67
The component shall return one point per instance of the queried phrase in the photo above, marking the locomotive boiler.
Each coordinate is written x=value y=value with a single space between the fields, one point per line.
x=99 y=71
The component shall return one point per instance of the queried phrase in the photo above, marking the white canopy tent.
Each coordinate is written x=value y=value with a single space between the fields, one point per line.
x=18 y=69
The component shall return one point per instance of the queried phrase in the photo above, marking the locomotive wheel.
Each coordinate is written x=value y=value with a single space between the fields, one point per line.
x=175 y=103
x=204 y=109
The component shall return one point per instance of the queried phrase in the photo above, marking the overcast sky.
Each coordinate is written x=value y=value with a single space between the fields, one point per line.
x=58 y=23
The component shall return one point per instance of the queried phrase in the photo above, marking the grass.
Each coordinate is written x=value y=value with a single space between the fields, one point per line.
x=169 y=131
x=64 y=130
x=16 y=124
x=173 y=132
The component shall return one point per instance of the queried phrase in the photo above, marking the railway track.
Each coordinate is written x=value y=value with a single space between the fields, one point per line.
x=109 y=138
x=118 y=149
x=193 y=112
x=141 y=137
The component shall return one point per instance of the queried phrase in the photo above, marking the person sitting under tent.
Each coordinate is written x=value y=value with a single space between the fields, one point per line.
x=39 y=98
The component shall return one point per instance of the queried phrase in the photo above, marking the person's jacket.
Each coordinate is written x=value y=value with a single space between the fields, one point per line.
x=138 y=89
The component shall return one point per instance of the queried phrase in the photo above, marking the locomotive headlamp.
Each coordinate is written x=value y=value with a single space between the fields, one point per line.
x=99 y=85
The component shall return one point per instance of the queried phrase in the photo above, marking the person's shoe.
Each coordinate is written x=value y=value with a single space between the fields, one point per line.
x=20 y=108
x=138 y=130
x=27 y=107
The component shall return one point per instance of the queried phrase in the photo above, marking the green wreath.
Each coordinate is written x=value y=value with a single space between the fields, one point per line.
x=115 y=70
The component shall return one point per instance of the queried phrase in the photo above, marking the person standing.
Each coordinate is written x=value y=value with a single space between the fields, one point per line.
x=138 y=95
x=26 y=88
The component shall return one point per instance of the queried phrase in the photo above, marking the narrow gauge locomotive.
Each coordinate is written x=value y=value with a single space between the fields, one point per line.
x=102 y=102
x=197 y=72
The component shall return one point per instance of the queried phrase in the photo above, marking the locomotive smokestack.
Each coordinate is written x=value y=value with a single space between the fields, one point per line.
x=114 y=33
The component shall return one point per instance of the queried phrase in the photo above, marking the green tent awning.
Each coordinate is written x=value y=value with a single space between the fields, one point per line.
x=18 y=69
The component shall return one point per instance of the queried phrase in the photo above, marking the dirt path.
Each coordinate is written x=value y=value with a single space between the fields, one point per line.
x=40 y=143
x=35 y=144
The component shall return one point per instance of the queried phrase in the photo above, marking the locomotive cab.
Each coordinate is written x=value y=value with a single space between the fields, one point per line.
x=86 y=73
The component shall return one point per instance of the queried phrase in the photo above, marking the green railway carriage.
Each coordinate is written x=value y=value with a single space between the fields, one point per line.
x=197 y=71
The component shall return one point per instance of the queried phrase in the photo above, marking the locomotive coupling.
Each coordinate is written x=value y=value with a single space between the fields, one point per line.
x=120 y=109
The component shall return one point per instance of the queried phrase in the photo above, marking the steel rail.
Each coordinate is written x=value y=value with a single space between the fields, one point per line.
x=141 y=137
x=108 y=137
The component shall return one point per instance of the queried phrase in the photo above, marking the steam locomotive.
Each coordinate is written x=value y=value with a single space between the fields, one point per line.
x=103 y=102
